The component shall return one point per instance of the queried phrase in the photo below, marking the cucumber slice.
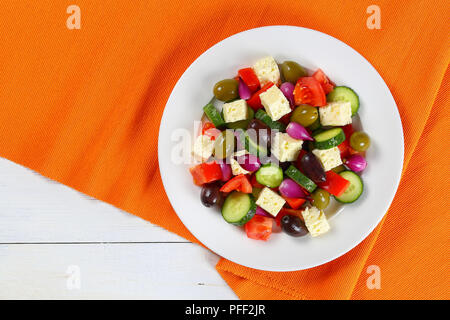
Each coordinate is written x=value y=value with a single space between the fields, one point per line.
x=329 y=138
x=295 y=174
x=344 y=94
x=264 y=117
x=238 y=208
x=354 y=190
x=214 y=115
x=269 y=175
x=251 y=145
x=242 y=124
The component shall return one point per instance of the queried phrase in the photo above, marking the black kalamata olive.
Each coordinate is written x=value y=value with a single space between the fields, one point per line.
x=293 y=226
x=210 y=195
x=285 y=165
x=312 y=167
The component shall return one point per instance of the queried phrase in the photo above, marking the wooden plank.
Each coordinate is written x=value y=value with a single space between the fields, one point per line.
x=36 y=209
x=110 y=271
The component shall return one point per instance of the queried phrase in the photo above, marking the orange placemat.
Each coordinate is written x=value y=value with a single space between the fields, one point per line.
x=83 y=107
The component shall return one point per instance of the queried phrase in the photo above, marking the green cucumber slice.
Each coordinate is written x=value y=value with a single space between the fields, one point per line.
x=238 y=208
x=295 y=174
x=354 y=190
x=242 y=124
x=346 y=94
x=269 y=175
x=264 y=117
x=251 y=145
x=329 y=138
x=214 y=115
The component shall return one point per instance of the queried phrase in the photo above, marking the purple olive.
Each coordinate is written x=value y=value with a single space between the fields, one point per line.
x=313 y=168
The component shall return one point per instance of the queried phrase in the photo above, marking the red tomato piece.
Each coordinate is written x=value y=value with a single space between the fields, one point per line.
x=259 y=228
x=206 y=172
x=210 y=130
x=344 y=148
x=250 y=79
x=255 y=183
x=238 y=183
x=309 y=91
x=255 y=102
x=295 y=203
x=325 y=82
x=348 y=131
x=335 y=184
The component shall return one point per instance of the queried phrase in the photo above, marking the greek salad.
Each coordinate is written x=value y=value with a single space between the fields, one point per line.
x=276 y=143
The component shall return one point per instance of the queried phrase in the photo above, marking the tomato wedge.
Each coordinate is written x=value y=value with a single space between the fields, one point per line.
x=250 y=79
x=238 y=183
x=348 y=131
x=325 y=82
x=255 y=183
x=295 y=203
x=335 y=184
x=205 y=173
x=309 y=91
x=344 y=149
x=259 y=228
x=255 y=102
x=210 y=130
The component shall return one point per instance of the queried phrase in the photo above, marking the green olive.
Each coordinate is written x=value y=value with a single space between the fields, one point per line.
x=305 y=115
x=224 y=145
x=291 y=71
x=321 y=198
x=226 y=90
x=359 y=141
x=339 y=169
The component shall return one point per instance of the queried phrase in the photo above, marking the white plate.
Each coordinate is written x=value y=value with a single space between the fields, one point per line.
x=379 y=116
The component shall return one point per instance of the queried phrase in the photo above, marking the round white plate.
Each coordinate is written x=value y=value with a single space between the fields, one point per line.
x=378 y=114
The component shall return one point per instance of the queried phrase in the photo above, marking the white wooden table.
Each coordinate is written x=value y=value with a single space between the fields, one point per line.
x=56 y=243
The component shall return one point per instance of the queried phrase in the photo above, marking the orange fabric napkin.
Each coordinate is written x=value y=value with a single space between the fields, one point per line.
x=83 y=107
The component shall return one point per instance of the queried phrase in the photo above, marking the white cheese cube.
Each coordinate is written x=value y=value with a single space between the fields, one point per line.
x=285 y=148
x=235 y=111
x=270 y=201
x=266 y=69
x=203 y=148
x=275 y=103
x=236 y=168
x=316 y=222
x=336 y=114
x=330 y=158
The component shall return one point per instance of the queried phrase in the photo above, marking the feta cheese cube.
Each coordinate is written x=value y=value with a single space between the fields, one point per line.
x=330 y=158
x=203 y=148
x=285 y=148
x=236 y=168
x=336 y=114
x=270 y=201
x=316 y=222
x=235 y=111
x=266 y=69
x=275 y=103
